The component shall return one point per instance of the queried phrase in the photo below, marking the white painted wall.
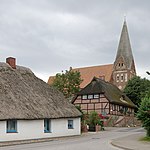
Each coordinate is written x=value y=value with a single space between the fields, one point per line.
x=34 y=129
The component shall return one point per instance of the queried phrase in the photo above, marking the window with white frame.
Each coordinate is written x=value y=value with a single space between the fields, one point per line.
x=11 y=126
x=90 y=96
x=70 y=124
x=84 y=96
x=47 y=125
x=96 y=96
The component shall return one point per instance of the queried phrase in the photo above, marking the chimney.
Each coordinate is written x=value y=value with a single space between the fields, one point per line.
x=11 y=61
x=102 y=77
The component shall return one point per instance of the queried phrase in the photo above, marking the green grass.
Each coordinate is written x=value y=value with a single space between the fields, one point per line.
x=147 y=139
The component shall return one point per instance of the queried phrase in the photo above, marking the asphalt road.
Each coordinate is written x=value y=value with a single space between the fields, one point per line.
x=90 y=141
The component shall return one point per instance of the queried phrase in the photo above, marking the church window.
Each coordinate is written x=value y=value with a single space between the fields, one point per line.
x=117 y=78
x=122 y=78
x=122 y=64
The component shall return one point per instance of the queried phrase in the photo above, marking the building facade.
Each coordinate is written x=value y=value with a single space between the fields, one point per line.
x=104 y=98
x=12 y=130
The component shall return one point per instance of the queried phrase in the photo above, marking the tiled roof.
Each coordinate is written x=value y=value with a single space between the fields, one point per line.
x=51 y=80
x=87 y=73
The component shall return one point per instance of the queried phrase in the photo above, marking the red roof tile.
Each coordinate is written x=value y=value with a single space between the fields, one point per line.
x=87 y=73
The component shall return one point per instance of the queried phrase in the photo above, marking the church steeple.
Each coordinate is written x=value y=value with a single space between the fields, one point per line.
x=124 y=67
x=124 y=48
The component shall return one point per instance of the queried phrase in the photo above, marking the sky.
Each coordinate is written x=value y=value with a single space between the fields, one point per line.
x=49 y=36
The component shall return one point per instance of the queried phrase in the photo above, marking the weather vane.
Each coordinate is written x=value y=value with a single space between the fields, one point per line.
x=124 y=17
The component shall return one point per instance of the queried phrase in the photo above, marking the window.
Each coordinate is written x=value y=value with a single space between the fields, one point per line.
x=47 y=125
x=122 y=77
x=117 y=78
x=90 y=96
x=70 y=124
x=96 y=96
x=84 y=96
x=11 y=126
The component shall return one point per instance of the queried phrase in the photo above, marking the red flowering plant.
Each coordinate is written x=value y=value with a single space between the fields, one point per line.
x=103 y=116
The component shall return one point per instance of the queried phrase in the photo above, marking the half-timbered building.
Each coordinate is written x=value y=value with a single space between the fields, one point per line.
x=104 y=98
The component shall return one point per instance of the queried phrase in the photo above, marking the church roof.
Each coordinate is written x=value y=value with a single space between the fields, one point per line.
x=124 y=48
x=87 y=73
x=24 y=96
x=111 y=92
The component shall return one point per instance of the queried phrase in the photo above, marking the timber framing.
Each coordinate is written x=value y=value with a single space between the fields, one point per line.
x=104 y=98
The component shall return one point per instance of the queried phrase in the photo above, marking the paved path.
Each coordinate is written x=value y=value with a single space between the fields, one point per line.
x=132 y=142
x=89 y=141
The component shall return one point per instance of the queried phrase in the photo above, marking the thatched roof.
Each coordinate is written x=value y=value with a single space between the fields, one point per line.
x=111 y=92
x=24 y=96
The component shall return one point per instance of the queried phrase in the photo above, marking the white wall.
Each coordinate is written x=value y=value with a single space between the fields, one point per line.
x=34 y=129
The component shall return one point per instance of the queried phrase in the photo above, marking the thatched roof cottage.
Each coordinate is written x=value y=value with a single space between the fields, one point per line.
x=30 y=108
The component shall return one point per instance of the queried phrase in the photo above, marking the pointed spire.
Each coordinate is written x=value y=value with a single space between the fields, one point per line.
x=124 y=48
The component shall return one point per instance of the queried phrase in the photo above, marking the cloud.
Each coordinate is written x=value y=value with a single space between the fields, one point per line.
x=51 y=35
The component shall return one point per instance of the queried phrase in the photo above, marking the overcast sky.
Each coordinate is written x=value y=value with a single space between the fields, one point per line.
x=49 y=36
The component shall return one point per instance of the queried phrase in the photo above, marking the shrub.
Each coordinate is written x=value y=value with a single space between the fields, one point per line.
x=143 y=113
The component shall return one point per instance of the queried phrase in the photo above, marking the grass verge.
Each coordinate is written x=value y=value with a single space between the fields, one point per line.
x=147 y=139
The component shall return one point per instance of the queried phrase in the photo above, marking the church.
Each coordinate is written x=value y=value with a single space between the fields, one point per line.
x=118 y=73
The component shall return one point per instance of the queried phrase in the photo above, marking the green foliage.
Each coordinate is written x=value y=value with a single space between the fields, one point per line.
x=68 y=83
x=143 y=113
x=147 y=139
x=136 y=89
x=94 y=119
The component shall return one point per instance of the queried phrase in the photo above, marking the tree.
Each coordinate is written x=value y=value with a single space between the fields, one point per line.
x=136 y=89
x=68 y=83
x=143 y=113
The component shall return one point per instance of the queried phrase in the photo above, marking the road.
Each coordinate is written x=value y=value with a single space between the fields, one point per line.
x=89 y=141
